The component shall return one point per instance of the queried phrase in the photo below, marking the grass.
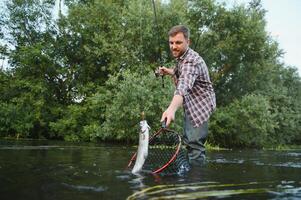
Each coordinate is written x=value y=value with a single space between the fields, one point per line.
x=214 y=147
x=284 y=148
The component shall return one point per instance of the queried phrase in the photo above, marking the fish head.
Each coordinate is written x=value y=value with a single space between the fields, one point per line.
x=144 y=126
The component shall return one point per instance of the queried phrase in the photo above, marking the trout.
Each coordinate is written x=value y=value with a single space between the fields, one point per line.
x=143 y=147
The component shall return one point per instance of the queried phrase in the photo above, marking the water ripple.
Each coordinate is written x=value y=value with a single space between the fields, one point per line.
x=235 y=161
x=286 y=164
x=294 y=154
x=85 y=187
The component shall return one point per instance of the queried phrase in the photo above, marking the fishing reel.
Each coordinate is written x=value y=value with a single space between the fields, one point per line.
x=157 y=73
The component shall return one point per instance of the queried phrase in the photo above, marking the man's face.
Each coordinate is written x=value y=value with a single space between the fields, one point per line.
x=178 y=44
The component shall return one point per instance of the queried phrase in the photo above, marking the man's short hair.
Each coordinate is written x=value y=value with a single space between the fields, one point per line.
x=179 y=29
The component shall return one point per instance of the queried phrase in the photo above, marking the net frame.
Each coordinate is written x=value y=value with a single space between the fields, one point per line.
x=165 y=153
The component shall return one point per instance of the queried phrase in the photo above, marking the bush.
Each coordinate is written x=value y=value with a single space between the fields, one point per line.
x=244 y=123
x=128 y=94
x=114 y=111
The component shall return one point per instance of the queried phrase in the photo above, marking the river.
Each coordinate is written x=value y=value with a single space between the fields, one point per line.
x=60 y=170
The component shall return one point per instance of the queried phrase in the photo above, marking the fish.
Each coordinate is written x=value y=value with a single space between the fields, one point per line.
x=143 y=146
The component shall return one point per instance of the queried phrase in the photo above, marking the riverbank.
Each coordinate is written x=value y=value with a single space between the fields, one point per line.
x=209 y=147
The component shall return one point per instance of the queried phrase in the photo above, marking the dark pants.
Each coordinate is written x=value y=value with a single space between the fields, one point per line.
x=194 y=139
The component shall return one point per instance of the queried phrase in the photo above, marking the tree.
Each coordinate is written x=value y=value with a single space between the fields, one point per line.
x=78 y=76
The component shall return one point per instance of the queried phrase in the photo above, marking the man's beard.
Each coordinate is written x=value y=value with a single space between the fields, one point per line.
x=177 y=53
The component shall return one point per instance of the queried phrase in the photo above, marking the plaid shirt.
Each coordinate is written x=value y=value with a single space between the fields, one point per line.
x=194 y=85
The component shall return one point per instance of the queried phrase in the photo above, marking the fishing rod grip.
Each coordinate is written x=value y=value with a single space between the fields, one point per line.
x=163 y=125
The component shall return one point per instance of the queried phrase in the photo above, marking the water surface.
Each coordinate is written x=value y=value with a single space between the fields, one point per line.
x=60 y=170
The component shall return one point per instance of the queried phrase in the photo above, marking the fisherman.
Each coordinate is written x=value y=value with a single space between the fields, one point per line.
x=194 y=91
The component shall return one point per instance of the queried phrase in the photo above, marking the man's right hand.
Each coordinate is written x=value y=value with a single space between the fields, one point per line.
x=165 y=71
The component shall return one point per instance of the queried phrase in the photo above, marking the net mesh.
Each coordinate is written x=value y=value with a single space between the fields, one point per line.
x=165 y=154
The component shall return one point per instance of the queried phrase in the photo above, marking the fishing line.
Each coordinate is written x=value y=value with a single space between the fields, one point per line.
x=157 y=34
x=159 y=52
x=141 y=38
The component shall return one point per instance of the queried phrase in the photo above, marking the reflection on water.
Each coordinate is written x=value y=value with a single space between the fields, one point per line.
x=195 y=190
x=59 y=170
x=199 y=190
x=84 y=187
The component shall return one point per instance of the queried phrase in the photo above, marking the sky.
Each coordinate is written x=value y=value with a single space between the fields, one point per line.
x=284 y=25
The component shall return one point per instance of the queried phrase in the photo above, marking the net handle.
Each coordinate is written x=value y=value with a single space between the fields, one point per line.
x=132 y=159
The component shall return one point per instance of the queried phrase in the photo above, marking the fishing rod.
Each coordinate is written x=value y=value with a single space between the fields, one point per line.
x=159 y=56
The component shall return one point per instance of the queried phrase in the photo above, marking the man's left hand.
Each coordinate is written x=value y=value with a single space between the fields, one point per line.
x=168 y=116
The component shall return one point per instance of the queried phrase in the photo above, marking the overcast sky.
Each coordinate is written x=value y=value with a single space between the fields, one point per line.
x=284 y=25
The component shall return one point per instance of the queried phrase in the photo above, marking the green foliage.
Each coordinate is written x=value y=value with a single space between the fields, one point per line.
x=114 y=111
x=126 y=97
x=244 y=123
x=70 y=125
x=22 y=109
x=87 y=75
x=235 y=46
x=285 y=100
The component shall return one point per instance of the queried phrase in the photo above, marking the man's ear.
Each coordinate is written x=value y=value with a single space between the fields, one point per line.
x=189 y=42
